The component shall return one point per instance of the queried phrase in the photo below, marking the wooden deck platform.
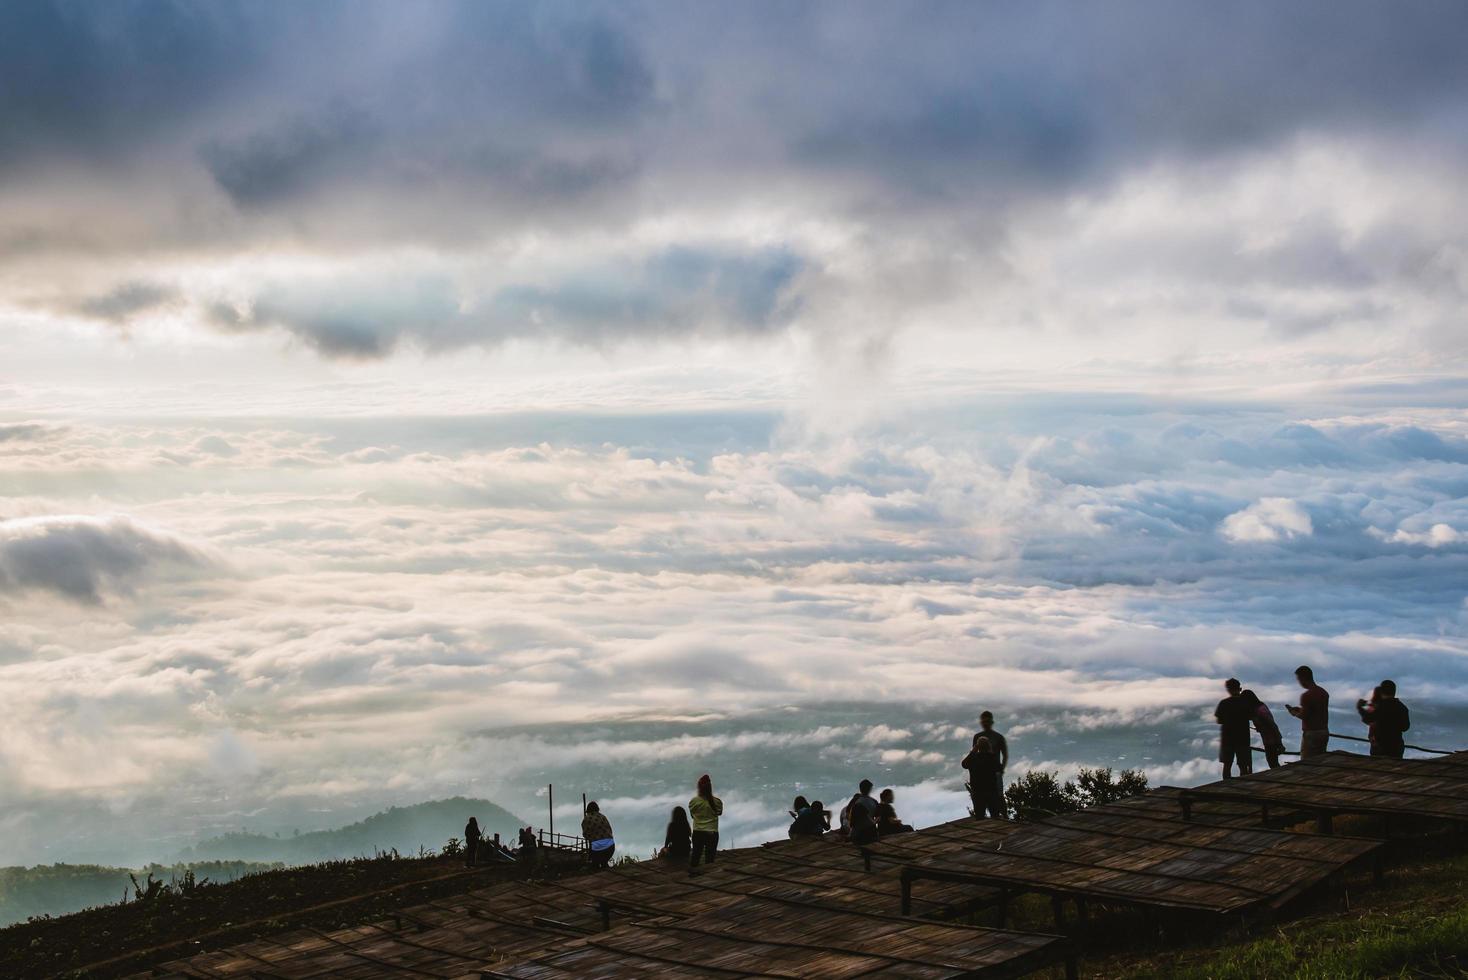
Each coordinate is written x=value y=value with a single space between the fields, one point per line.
x=826 y=908
x=1137 y=854
x=463 y=933
x=757 y=937
x=1346 y=783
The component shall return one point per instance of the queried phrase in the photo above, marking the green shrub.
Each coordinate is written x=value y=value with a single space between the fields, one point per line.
x=1039 y=793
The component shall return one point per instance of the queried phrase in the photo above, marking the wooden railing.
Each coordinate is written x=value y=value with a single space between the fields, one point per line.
x=561 y=842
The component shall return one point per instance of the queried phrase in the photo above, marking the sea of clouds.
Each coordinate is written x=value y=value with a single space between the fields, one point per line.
x=349 y=613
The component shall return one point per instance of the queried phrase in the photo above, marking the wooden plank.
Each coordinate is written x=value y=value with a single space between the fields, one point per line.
x=752 y=938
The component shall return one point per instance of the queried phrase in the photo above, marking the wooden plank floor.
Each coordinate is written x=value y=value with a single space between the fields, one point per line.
x=1344 y=782
x=1141 y=854
x=826 y=908
x=760 y=937
x=451 y=936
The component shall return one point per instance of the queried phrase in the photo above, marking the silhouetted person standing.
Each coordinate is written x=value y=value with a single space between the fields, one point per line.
x=1233 y=716
x=1001 y=748
x=982 y=764
x=471 y=841
x=1387 y=720
x=1314 y=714
x=705 y=809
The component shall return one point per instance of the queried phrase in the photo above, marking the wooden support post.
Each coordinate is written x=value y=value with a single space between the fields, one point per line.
x=1072 y=967
x=1003 y=907
x=1323 y=822
x=605 y=908
x=1264 y=812
x=1186 y=802
x=906 y=880
x=866 y=858
x=1057 y=906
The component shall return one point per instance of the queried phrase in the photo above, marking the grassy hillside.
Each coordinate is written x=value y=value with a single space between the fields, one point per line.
x=60 y=889
x=120 y=939
x=404 y=829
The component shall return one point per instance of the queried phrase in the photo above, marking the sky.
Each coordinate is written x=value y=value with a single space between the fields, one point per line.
x=409 y=399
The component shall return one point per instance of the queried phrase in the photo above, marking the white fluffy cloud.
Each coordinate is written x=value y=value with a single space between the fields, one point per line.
x=1270 y=519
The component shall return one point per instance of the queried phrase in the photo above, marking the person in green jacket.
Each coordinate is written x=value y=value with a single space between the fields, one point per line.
x=705 y=809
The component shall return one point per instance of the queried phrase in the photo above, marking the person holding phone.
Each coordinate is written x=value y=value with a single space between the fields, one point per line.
x=1314 y=714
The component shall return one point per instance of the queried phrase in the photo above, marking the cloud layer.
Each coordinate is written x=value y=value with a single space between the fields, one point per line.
x=390 y=612
x=372 y=177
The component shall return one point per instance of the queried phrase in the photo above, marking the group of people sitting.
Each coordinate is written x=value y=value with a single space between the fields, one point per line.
x=479 y=848
x=1387 y=720
x=863 y=819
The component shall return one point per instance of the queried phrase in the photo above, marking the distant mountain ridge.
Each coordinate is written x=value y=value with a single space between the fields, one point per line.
x=404 y=829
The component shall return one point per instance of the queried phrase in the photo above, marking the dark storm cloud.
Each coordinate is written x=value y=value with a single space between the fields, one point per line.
x=89 y=79
x=281 y=102
x=86 y=558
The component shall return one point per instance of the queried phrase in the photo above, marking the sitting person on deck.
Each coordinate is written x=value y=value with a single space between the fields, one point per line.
x=863 y=829
x=678 y=841
x=863 y=799
x=597 y=830
x=887 y=822
x=811 y=820
x=527 y=845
